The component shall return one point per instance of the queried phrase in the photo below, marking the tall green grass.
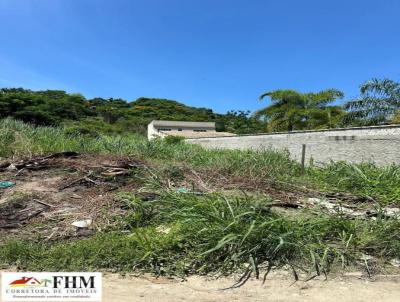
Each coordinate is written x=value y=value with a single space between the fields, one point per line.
x=20 y=139
x=183 y=234
x=365 y=179
x=383 y=183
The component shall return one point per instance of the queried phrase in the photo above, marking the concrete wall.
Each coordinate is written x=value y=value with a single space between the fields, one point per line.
x=153 y=131
x=380 y=144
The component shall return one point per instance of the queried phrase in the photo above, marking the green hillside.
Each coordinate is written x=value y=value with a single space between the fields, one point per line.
x=99 y=115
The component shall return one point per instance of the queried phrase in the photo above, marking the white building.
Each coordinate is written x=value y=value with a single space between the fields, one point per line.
x=185 y=129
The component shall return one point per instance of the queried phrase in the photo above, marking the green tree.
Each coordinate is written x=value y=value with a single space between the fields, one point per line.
x=291 y=110
x=377 y=104
x=240 y=122
x=111 y=110
x=98 y=115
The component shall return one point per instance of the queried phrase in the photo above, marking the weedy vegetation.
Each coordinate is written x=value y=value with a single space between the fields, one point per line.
x=182 y=233
x=18 y=139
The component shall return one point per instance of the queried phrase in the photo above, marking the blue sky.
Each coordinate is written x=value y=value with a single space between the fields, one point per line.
x=220 y=54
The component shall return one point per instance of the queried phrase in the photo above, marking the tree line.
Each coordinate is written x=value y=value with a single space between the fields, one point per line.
x=98 y=115
x=378 y=103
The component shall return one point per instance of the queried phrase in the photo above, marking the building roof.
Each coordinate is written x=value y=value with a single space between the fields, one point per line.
x=25 y=280
x=186 y=134
x=183 y=124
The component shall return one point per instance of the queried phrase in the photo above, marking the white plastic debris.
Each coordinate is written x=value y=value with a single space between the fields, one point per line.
x=395 y=262
x=333 y=207
x=11 y=167
x=366 y=257
x=314 y=200
x=392 y=212
x=82 y=223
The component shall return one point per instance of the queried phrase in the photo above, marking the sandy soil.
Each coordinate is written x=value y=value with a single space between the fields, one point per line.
x=350 y=288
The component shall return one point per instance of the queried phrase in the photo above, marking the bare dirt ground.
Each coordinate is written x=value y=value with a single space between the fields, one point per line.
x=277 y=288
x=49 y=196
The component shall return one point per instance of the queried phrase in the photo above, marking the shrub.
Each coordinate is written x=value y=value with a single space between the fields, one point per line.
x=173 y=139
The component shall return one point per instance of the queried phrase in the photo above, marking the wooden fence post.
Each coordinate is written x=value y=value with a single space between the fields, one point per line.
x=303 y=158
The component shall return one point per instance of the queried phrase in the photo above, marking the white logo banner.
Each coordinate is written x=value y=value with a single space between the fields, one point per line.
x=74 y=286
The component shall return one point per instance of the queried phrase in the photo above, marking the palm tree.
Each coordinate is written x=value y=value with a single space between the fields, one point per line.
x=377 y=104
x=291 y=110
x=328 y=117
x=45 y=282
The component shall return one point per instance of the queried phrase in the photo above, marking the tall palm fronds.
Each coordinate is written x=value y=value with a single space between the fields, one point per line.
x=292 y=110
x=377 y=104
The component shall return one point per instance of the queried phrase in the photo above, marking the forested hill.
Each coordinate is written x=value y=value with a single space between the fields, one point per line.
x=166 y=109
x=99 y=115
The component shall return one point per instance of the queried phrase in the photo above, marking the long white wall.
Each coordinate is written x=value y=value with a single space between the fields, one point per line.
x=380 y=144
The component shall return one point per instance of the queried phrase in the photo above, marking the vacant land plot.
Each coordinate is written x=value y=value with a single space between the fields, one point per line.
x=127 y=205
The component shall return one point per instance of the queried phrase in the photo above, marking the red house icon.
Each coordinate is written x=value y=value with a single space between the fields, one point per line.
x=25 y=281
